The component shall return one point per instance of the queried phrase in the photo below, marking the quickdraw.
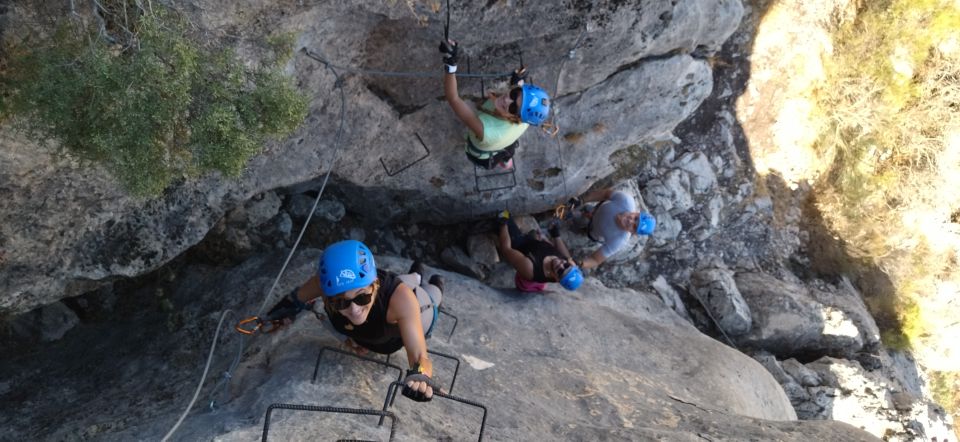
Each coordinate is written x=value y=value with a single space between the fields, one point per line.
x=260 y=326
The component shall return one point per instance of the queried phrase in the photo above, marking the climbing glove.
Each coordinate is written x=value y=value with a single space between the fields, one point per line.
x=518 y=77
x=503 y=217
x=554 y=230
x=288 y=308
x=451 y=55
x=416 y=376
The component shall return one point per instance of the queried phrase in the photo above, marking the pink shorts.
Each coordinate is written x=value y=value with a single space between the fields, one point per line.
x=528 y=286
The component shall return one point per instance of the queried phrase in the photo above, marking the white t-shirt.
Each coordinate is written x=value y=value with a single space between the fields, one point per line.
x=605 y=226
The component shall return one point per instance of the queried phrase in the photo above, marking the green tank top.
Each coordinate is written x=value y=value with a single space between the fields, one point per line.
x=497 y=133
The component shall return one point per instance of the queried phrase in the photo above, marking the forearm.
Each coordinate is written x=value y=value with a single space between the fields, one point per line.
x=597 y=195
x=504 y=243
x=593 y=261
x=450 y=90
x=561 y=247
x=310 y=290
x=426 y=365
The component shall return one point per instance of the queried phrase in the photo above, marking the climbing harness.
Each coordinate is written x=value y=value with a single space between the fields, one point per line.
x=327 y=409
x=396 y=386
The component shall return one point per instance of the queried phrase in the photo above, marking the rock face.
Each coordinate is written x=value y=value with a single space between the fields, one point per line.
x=885 y=404
x=583 y=365
x=717 y=291
x=621 y=74
x=790 y=318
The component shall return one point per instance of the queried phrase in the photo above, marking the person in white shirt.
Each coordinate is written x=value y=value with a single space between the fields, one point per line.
x=612 y=221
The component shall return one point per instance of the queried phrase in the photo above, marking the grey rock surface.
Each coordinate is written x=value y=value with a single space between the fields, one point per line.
x=67 y=229
x=718 y=293
x=457 y=260
x=48 y=323
x=788 y=319
x=610 y=379
x=482 y=248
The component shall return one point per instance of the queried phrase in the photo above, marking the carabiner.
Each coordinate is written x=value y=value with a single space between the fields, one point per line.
x=245 y=331
x=560 y=212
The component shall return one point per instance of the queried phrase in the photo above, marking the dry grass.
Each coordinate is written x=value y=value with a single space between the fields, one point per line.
x=891 y=105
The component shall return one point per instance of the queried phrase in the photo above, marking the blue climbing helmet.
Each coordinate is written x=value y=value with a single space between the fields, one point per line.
x=536 y=105
x=572 y=278
x=646 y=223
x=346 y=265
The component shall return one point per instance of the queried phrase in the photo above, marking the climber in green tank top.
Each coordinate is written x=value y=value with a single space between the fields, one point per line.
x=497 y=125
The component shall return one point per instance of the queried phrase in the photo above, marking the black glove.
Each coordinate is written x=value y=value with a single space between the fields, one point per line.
x=518 y=77
x=416 y=376
x=554 y=230
x=575 y=202
x=288 y=308
x=451 y=55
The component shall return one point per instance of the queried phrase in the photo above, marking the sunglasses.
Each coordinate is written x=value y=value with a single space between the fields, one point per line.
x=361 y=299
x=563 y=269
x=514 y=96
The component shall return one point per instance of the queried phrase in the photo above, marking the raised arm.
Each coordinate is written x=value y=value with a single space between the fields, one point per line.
x=451 y=53
x=593 y=261
x=561 y=247
x=520 y=263
x=404 y=310
x=460 y=108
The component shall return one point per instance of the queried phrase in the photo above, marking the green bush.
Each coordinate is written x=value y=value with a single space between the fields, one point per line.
x=156 y=108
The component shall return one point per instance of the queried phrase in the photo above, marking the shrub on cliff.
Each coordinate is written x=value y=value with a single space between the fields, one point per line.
x=892 y=102
x=129 y=90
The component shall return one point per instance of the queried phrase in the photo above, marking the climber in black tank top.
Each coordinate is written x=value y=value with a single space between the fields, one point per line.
x=377 y=311
x=537 y=261
x=376 y=333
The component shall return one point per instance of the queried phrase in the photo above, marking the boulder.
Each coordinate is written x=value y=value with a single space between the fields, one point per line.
x=458 y=260
x=482 y=248
x=717 y=292
x=48 y=323
x=789 y=319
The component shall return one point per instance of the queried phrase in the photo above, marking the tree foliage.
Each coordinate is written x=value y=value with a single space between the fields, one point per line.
x=151 y=107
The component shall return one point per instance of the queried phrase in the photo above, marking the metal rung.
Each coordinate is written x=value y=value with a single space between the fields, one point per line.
x=456 y=370
x=495 y=177
x=408 y=165
x=396 y=386
x=327 y=409
x=316 y=368
x=455 y=321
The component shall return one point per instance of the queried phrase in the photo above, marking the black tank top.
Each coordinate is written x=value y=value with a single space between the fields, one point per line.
x=374 y=334
x=537 y=251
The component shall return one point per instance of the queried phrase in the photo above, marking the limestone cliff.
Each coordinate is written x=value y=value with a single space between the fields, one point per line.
x=621 y=73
